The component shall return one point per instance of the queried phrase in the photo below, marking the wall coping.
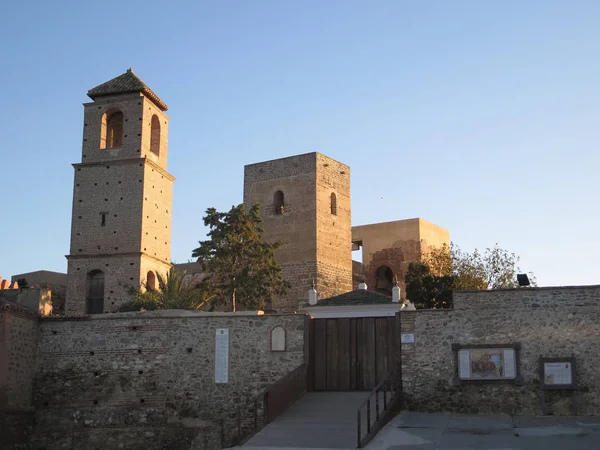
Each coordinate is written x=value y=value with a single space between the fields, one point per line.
x=163 y=314
x=534 y=288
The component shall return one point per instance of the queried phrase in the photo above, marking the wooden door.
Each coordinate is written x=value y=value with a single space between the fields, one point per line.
x=351 y=354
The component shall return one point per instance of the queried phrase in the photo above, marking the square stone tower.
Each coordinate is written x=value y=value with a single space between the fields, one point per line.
x=121 y=220
x=306 y=205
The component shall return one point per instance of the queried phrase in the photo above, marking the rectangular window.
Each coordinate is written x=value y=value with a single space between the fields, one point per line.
x=103 y=220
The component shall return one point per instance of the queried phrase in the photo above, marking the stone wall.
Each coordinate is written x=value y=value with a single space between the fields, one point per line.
x=147 y=380
x=546 y=322
x=18 y=338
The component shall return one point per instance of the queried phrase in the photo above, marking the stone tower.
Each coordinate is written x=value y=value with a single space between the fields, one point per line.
x=121 y=220
x=306 y=205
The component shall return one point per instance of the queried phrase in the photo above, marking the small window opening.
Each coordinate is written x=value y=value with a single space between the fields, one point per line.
x=155 y=135
x=333 y=204
x=103 y=219
x=111 y=134
x=278 y=202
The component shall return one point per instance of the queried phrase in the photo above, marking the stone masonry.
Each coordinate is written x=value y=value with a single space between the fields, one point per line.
x=314 y=225
x=121 y=221
x=147 y=380
x=18 y=340
x=546 y=322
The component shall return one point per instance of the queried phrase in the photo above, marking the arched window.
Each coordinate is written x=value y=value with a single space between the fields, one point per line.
x=150 y=280
x=155 y=135
x=278 y=339
x=333 y=204
x=111 y=133
x=384 y=280
x=95 y=292
x=278 y=203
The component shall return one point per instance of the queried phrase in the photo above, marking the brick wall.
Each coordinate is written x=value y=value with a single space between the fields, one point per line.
x=147 y=380
x=18 y=339
x=121 y=218
x=547 y=322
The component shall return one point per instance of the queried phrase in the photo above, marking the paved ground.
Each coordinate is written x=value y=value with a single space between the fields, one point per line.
x=319 y=420
x=415 y=431
x=327 y=421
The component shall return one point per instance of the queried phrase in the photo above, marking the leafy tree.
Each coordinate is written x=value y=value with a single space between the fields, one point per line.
x=494 y=268
x=427 y=290
x=430 y=283
x=241 y=267
x=172 y=293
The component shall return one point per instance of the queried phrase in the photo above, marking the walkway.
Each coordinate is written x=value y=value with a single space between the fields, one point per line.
x=319 y=420
x=416 y=431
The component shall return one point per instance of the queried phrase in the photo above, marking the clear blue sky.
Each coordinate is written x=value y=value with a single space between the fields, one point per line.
x=481 y=117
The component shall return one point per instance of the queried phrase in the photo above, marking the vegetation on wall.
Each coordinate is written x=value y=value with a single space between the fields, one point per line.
x=241 y=267
x=171 y=293
x=430 y=282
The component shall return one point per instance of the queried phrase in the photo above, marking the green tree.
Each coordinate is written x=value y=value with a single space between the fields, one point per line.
x=171 y=293
x=494 y=268
x=430 y=282
x=427 y=290
x=241 y=267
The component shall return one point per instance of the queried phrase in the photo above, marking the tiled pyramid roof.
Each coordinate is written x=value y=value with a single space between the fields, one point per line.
x=128 y=82
x=356 y=297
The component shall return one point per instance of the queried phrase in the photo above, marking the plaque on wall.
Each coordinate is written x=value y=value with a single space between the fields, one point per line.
x=407 y=338
x=222 y=355
x=558 y=373
x=486 y=362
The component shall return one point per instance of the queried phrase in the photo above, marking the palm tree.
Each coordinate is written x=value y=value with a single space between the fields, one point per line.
x=172 y=293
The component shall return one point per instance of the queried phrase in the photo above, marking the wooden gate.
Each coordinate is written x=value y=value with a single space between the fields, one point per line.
x=351 y=354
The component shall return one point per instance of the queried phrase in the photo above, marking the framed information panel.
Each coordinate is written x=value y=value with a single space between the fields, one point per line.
x=497 y=362
x=558 y=373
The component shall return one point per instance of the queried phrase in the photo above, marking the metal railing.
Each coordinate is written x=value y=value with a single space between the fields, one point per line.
x=252 y=415
x=390 y=391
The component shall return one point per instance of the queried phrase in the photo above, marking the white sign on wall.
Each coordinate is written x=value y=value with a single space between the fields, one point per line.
x=407 y=338
x=222 y=355
x=558 y=373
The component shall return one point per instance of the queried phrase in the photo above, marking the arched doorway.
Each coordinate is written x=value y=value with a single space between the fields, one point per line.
x=384 y=280
x=95 y=292
x=150 y=280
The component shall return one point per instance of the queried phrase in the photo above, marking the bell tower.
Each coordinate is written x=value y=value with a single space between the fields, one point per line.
x=121 y=219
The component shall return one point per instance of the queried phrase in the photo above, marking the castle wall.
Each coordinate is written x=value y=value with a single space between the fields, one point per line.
x=18 y=340
x=147 y=380
x=395 y=245
x=546 y=322
x=334 y=232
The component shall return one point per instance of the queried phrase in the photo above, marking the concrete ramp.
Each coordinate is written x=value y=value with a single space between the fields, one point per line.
x=319 y=420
